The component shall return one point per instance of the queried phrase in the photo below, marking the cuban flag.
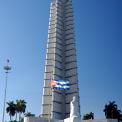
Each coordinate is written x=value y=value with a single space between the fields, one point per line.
x=60 y=84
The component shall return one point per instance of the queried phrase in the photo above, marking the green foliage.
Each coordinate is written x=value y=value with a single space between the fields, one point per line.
x=111 y=111
x=11 y=109
x=16 y=108
x=88 y=116
x=29 y=114
x=20 y=107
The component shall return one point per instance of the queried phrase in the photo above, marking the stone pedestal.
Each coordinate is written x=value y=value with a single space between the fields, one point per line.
x=75 y=119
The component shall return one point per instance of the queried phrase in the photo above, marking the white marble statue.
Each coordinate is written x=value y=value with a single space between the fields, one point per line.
x=74 y=108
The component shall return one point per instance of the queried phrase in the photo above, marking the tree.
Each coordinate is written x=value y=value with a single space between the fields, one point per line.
x=11 y=109
x=111 y=111
x=20 y=107
x=88 y=116
x=29 y=114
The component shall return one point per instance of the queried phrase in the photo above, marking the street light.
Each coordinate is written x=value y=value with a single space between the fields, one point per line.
x=7 y=68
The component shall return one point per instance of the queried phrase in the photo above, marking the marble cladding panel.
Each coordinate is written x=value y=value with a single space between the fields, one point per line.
x=68 y=3
x=51 y=35
x=56 y=116
x=69 y=97
x=53 y=10
x=57 y=97
x=59 y=35
x=53 y=30
x=46 y=109
x=51 y=45
x=60 y=14
x=58 y=58
x=68 y=27
x=71 y=65
x=59 y=30
x=47 y=83
x=58 y=52
x=57 y=107
x=47 y=99
x=50 y=62
x=52 y=40
x=71 y=52
x=47 y=91
x=49 y=68
x=73 y=88
x=68 y=15
x=51 y=55
x=59 y=26
x=57 y=77
x=58 y=65
x=52 y=22
x=58 y=71
x=59 y=41
x=59 y=46
x=71 y=59
x=71 y=24
x=52 y=25
x=69 y=36
x=67 y=108
x=59 y=23
x=53 y=15
x=68 y=9
x=69 y=31
x=73 y=79
x=70 y=46
x=50 y=50
x=48 y=75
x=69 y=41
x=71 y=72
x=44 y=116
x=70 y=18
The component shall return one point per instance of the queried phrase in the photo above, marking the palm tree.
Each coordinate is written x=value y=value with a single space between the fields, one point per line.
x=111 y=111
x=88 y=116
x=11 y=109
x=109 y=108
x=20 y=107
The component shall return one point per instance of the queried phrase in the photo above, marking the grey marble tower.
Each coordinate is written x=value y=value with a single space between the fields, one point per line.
x=60 y=61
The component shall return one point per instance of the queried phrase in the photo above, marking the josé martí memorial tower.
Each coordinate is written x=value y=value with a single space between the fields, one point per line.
x=60 y=61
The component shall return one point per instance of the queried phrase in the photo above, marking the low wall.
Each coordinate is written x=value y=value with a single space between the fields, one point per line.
x=39 y=119
x=36 y=119
x=100 y=120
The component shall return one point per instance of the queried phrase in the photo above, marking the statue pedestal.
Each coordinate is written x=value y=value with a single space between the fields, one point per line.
x=73 y=119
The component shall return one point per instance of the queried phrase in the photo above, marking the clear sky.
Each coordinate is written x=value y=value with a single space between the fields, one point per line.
x=23 y=38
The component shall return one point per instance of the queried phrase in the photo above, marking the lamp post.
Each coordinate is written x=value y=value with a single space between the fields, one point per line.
x=7 y=68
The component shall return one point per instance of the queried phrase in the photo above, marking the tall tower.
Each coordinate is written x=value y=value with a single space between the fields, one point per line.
x=60 y=61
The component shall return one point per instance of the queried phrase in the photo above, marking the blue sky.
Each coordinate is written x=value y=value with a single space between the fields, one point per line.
x=23 y=37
